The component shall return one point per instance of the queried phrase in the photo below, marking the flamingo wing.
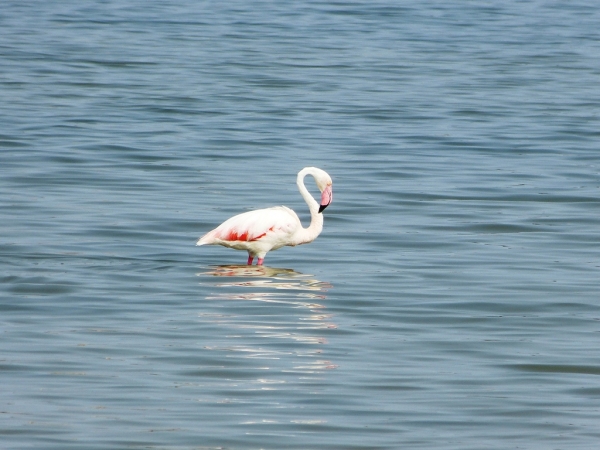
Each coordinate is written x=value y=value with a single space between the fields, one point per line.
x=270 y=225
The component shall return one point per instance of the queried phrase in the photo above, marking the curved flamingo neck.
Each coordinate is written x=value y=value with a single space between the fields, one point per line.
x=309 y=234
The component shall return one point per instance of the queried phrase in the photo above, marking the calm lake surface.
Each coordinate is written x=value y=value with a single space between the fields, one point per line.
x=452 y=300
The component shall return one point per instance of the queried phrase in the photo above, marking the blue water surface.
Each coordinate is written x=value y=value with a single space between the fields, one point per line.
x=451 y=301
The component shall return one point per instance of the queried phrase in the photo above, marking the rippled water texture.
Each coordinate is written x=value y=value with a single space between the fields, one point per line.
x=451 y=301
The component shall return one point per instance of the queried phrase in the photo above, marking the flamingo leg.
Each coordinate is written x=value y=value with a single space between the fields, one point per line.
x=260 y=261
x=250 y=259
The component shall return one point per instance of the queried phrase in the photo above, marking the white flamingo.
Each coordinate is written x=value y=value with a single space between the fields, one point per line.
x=262 y=230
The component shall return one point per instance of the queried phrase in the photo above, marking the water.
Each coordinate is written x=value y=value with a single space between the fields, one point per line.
x=451 y=301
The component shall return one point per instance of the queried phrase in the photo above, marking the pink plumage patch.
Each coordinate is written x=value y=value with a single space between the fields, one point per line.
x=233 y=235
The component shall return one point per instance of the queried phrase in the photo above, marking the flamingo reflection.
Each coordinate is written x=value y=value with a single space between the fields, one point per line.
x=296 y=316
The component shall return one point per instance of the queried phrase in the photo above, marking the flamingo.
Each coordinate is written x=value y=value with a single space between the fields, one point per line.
x=262 y=230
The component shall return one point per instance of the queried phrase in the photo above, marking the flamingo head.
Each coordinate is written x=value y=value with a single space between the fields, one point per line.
x=324 y=184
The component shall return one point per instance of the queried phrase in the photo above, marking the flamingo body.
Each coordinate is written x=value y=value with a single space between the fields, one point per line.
x=262 y=230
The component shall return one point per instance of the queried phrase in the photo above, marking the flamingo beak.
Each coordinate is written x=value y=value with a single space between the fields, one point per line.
x=326 y=198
